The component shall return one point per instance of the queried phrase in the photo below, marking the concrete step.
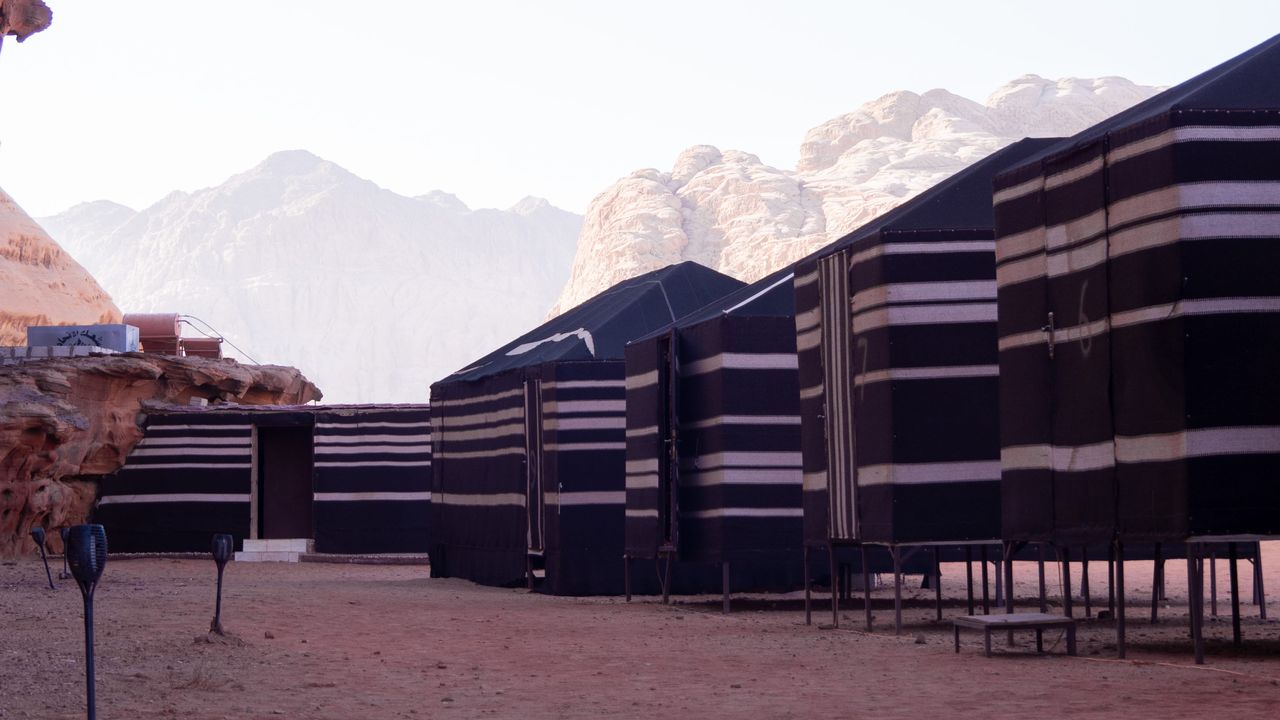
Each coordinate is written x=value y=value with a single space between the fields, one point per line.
x=267 y=556
x=295 y=545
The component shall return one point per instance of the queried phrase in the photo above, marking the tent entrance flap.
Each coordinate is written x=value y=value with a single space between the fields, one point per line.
x=535 y=499
x=838 y=412
x=669 y=468
x=285 y=482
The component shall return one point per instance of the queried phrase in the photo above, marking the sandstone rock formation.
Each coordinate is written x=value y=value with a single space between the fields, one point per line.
x=64 y=422
x=39 y=283
x=730 y=211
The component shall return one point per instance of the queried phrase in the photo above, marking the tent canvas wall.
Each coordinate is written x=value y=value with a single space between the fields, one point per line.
x=354 y=478
x=530 y=441
x=1140 y=319
x=713 y=440
x=896 y=339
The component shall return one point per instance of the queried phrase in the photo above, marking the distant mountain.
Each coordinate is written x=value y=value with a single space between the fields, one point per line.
x=372 y=294
x=40 y=284
x=729 y=211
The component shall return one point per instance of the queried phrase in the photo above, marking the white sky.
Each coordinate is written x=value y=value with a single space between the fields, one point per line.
x=131 y=99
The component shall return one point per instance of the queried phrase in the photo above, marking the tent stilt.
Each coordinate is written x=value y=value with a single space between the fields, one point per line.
x=1084 y=581
x=1118 y=598
x=866 y=585
x=1158 y=569
x=724 y=584
x=897 y=589
x=986 y=598
x=1213 y=583
x=968 y=577
x=1232 y=558
x=808 y=588
x=1044 y=600
x=937 y=581
x=1195 y=598
x=1065 y=553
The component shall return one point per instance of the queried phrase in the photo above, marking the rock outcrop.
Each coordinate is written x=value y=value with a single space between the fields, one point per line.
x=39 y=283
x=65 y=422
x=730 y=211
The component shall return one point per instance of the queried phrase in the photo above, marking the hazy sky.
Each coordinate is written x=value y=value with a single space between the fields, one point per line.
x=128 y=100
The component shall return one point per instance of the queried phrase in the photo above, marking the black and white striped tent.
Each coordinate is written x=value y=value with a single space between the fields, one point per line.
x=719 y=388
x=356 y=479
x=530 y=441
x=1139 y=308
x=896 y=339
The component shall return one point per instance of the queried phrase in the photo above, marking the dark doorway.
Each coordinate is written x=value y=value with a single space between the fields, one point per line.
x=285 y=485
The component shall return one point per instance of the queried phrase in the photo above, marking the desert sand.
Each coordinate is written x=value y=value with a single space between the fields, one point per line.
x=348 y=641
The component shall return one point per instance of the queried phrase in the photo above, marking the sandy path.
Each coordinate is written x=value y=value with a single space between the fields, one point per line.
x=387 y=642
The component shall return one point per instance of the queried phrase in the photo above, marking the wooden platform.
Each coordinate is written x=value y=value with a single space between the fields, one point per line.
x=1018 y=621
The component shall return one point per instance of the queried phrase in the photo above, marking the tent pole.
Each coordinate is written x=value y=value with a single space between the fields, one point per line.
x=1232 y=557
x=937 y=578
x=1066 y=581
x=1118 y=596
x=1213 y=583
x=1260 y=598
x=835 y=598
x=724 y=584
x=626 y=575
x=999 y=582
x=968 y=575
x=1009 y=551
x=1157 y=569
x=1111 y=581
x=1196 y=600
x=866 y=586
x=986 y=598
x=666 y=579
x=1044 y=601
x=897 y=589
x=1084 y=581
x=808 y=610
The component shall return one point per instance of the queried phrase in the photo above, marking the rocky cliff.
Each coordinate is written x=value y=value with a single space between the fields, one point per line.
x=64 y=422
x=730 y=211
x=39 y=283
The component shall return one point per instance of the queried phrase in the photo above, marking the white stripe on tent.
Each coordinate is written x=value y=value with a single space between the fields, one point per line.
x=810 y=393
x=588 y=497
x=923 y=248
x=1195 y=133
x=808 y=340
x=1027 y=241
x=584 y=446
x=1194 y=195
x=642 y=513
x=488 y=500
x=356 y=423
x=928 y=473
x=745 y=420
x=1057 y=237
x=643 y=380
x=924 y=292
x=180 y=451
x=582 y=384
x=648 y=465
x=1189 y=228
x=457 y=402
x=1013 y=192
x=358 y=439
x=749 y=459
x=1070 y=175
x=642 y=482
x=174 y=498
x=372 y=495
x=424 y=463
x=383 y=449
x=480 y=419
x=587 y=423
x=1264 y=440
x=642 y=431
x=149 y=441
x=758 y=295
x=741 y=361
x=568 y=407
x=1080 y=458
x=743 y=476
x=163 y=428
x=191 y=466
x=497 y=452
x=927 y=373
x=924 y=315
x=815 y=481
x=747 y=513
x=483 y=433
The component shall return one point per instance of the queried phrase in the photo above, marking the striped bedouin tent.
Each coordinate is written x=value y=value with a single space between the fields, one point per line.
x=529 y=465
x=353 y=478
x=372 y=478
x=713 y=443
x=896 y=339
x=1140 y=320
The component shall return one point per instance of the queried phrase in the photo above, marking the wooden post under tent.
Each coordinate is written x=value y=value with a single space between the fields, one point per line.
x=343 y=479
x=896 y=339
x=529 y=466
x=1140 y=328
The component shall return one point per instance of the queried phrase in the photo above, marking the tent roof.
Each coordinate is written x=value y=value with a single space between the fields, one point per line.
x=600 y=328
x=961 y=201
x=1245 y=82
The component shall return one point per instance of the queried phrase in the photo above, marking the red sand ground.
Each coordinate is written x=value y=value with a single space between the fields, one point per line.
x=336 y=641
